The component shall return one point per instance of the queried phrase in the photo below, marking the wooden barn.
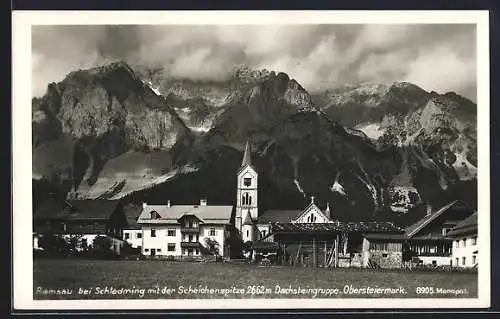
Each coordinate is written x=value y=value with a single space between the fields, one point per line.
x=333 y=244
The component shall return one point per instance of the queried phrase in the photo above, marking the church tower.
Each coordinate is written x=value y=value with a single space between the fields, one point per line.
x=246 y=196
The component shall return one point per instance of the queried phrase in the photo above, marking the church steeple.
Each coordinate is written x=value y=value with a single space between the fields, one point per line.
x=247 y=208
x=247 y=156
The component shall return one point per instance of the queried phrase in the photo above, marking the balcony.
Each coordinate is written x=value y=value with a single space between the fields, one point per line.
x=190 y=230
x=190 y=244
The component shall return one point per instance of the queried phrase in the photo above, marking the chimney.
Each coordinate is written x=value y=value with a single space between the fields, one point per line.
x=327 y=210
x=168 y=203
x=312 y=199
x=144 y=205
x=203 y=202
x=428 y=209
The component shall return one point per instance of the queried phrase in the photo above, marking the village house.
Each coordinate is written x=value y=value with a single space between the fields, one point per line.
x=85 y=219
x=311 y=236
x=132 y=234
x=427 y=240
x=465 y=246
x=178 y=231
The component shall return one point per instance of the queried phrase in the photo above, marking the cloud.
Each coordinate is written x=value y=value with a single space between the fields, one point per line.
x=436 y=57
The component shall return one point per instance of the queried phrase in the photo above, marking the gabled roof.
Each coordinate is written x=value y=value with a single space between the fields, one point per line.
x=169 y=215
x=415 y=228
x=248 y=220
x=278 y=216
x=307 y=209
x=132 y=213
x=466 y=226
x=76 y=209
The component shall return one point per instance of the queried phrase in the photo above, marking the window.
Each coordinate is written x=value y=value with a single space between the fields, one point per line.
x=384 y=255
x=247 y=181
x=158 y=250
x=248 y=233
x=171 y=247
x=457 y=243
x=463 y=261
x=474 y=259
x=190 y=238
x=171 y=232
x=153 y=232
x=456 y=261
x=154 y=215
x=464 y=242
x=138 y=235
x=196 y=252
x=212 y=232
x=434 y=263
x=474 y=240
x=190 y=225
x=246 y=199
x=146 y=250
x=127 y=235
x=263 y=233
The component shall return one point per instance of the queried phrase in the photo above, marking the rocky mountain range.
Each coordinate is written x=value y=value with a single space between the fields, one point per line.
x=372 y=151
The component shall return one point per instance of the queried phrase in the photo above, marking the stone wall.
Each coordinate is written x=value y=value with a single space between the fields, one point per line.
x=386 y=259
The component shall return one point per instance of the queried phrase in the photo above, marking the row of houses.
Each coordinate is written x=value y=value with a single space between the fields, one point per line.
x=311 y=236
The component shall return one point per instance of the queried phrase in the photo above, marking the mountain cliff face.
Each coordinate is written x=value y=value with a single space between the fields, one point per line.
x=110 y=132
x=97 y=116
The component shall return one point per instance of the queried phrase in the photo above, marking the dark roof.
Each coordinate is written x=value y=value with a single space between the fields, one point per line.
x=132 y=213
x=76 y=209
x=265 y=245
x=248 y=220
x=278 y=216
x=466 y=226
x=384 y=237
x=247 y=156
x=338 y=226
x=412 y=230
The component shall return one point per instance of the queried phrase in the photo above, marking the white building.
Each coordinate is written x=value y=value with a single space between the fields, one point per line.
x=132 y=234
x=185 y=230
x=465 y=245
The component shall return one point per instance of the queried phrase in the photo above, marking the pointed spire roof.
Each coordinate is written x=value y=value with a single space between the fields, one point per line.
x=248 y=219
x=327 y=210
x=247 y=156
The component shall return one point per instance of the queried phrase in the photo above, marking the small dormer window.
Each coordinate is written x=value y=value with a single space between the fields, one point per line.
x=247 y=181
x=154 y=215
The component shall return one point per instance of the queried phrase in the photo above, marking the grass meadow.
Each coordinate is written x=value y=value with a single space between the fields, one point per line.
x=146 y=279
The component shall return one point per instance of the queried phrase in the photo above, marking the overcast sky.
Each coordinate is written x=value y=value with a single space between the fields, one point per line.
x=436 y=57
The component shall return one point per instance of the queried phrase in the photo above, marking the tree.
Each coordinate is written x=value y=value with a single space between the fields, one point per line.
x=211 y=247
x=52 y=244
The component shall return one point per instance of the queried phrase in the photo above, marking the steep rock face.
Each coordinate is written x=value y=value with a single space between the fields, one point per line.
x=300 y=149
x=95 y=115
x=369 y=103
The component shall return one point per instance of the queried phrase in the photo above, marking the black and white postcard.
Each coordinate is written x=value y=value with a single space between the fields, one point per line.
x=305 y=159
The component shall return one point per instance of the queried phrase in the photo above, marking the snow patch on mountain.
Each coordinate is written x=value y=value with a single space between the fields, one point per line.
x=337 y=187
x=372 y=130
x=465 y=170
x=299 y=188
x=152 y=87
x=403 y=198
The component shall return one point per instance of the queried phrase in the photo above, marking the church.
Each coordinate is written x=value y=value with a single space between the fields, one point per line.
x=311 y=236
